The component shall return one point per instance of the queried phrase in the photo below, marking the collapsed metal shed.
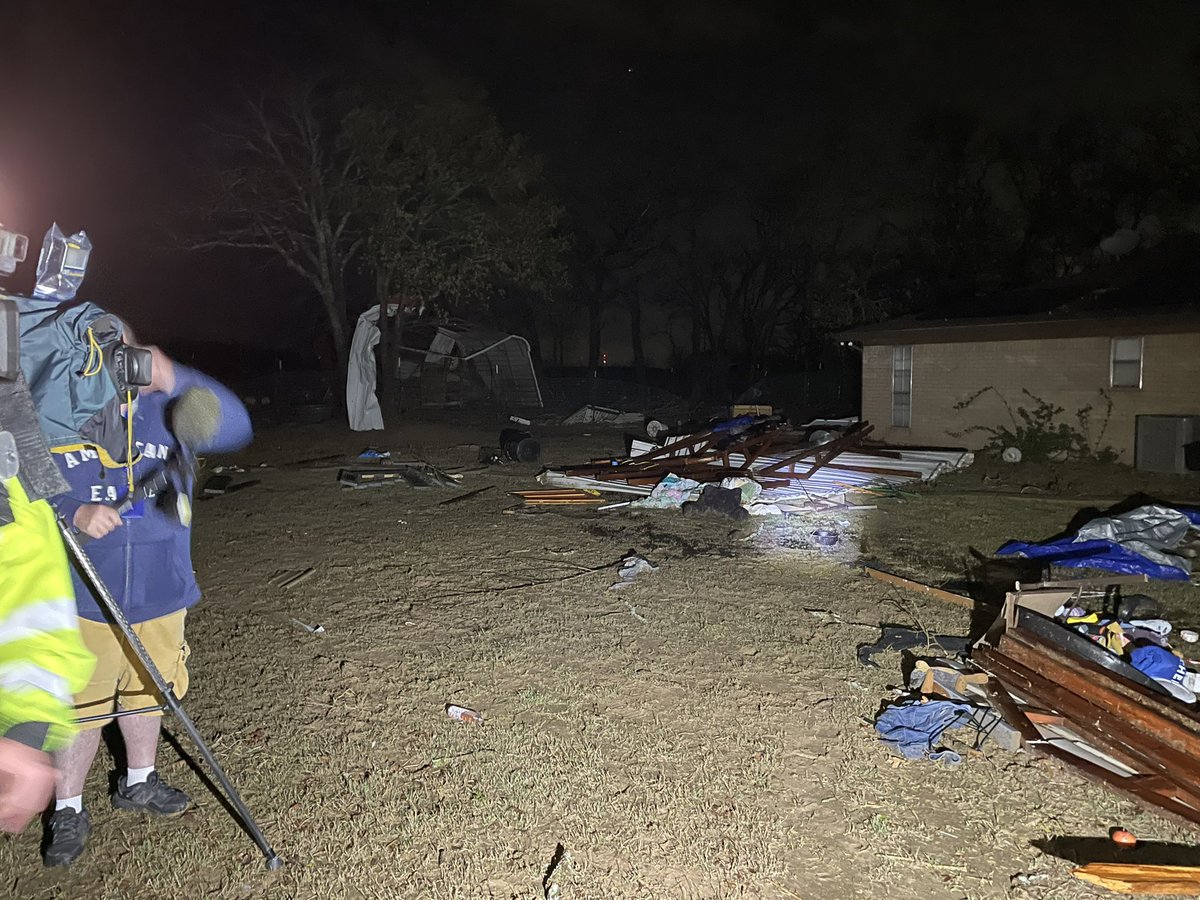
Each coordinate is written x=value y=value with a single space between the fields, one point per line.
x=442 y=364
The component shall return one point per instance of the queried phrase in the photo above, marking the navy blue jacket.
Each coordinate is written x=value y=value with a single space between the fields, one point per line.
x=146 y=563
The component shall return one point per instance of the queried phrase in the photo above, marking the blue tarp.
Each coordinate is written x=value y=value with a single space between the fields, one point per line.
x=1111 y=556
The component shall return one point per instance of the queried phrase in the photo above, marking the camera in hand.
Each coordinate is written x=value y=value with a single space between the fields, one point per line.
x=129 y=367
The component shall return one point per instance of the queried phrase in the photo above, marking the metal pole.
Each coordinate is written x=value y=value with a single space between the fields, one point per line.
x=170 y=701
x=120 y=714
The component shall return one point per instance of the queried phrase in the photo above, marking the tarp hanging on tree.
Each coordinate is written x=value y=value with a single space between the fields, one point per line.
x=457 y=362
x=1134 y=543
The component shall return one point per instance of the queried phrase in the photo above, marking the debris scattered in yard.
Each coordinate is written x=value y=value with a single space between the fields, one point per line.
x=631 y=566
x=592 y=415
x=289 y=578
x=1072 y=670
x=416 y=474
x=311 y=629
x=908 y=584
x=468 y=495
x=519 y=446
x=559 y=497
x=791 y=475
x=464 y=714
x=1145 y=880
x=898 y=637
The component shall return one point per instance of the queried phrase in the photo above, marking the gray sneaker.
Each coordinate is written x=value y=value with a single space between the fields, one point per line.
x=152 y=796
x=68 y=837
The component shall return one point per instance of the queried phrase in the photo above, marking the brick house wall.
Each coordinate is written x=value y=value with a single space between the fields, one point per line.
x=1068 y=372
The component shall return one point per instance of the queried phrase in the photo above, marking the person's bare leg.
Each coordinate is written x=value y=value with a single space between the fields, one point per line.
x=140 y=788
x=140 y=734
x=69 y=826
x=74 y=763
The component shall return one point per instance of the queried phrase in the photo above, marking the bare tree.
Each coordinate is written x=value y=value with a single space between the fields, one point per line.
x=283 y=189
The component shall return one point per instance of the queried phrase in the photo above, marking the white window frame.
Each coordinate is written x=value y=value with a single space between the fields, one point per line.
x=1113 y=362
x=902 y=366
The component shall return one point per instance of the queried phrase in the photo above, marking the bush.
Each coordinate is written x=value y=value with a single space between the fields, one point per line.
x=1040 y=434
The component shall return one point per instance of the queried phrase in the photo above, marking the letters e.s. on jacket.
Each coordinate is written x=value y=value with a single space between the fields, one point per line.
x=146 y=563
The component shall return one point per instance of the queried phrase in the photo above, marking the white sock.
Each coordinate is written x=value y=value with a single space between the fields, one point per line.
x=75 y=803
x=137 y=776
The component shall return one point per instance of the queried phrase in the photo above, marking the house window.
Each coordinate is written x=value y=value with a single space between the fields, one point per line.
x=1126 y=369
x=902 y=386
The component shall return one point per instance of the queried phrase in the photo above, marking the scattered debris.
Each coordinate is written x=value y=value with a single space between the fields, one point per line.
x=467 y=496
x=1030 y=879
x=750 y=409
x=1146 y=880
x=602 y=415
x=464 y=714
x=216 y=484
x=826 y=537
x=292 y=579
x=715 y=500
x=311 y=629
x=419 y=475
x=550 y=888
x=559 y=497
x=1123 y=838
x=791 y=475
x=896 y=637
x=913 y=727
x=890 y=578
x=219 y=485
x=631 y=566
x=633 y=612
x=1075 y=696
x=519 y=446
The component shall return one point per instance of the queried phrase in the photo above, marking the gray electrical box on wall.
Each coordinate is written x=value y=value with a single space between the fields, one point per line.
x=1162 y=444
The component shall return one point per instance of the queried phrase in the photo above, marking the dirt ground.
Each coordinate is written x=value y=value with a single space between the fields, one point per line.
x=703 y=733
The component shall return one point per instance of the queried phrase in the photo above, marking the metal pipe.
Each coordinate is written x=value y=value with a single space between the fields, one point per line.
x=170 y=701
x=120 y=714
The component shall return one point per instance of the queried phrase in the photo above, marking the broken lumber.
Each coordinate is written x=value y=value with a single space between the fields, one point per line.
x=466 y=496
x=909 y=584
x=1138 y=878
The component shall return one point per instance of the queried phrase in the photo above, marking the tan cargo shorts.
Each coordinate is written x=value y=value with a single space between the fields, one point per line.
x=120 y=681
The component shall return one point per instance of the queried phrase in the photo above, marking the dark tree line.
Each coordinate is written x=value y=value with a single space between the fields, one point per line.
x=415 y=196
x=988 y=209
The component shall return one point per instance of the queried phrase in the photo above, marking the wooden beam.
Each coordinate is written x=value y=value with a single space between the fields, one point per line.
x=1105 y=689
x=929 y=590
x=1144 y=880
x=1030 y=685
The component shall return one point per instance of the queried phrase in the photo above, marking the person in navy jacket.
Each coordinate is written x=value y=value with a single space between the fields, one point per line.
x=145 y=559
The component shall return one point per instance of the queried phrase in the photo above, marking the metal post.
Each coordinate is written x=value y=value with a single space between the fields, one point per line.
x=170 y=701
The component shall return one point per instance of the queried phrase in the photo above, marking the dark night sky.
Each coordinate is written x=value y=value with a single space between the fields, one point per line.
x=103 y=104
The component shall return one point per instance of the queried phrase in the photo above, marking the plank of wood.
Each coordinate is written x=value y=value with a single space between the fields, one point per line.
x=1147 y=753
x=468 y=495
x=1042 y=718
x=1142 y=879
x=1151 y=712
x=1011 y=713
x=297 y=578
x=1031 y=686
x=899 y=581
